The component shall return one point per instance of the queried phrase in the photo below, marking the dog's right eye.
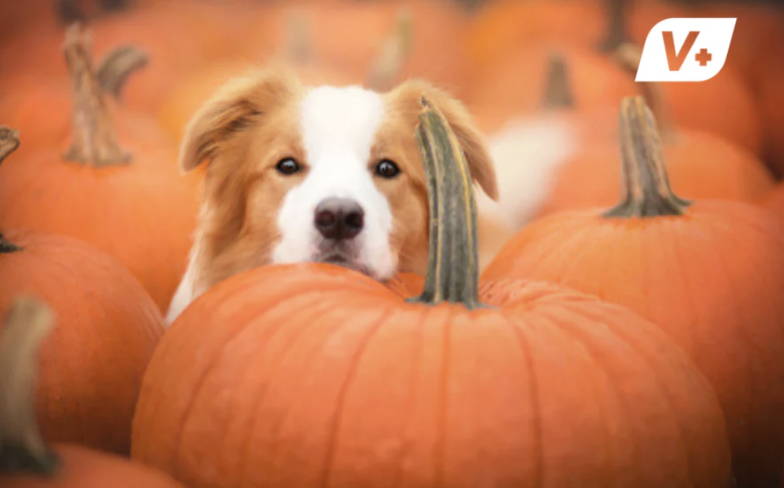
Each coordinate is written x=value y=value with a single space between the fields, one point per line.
x=287 y=166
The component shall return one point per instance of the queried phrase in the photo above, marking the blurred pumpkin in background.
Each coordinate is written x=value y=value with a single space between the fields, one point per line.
x=502 y=27
x=346 y=36
x=724 y=105
x=136 y=206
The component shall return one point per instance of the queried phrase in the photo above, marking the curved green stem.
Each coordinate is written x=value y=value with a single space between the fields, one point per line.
x=21 y=447
x=647 y=186
x=453 y=262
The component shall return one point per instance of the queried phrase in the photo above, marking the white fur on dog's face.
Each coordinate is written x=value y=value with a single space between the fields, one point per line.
x=338 y=127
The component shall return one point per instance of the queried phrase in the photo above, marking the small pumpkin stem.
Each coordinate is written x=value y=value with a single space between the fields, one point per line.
x=558 y=89
x=117 y=66
x=393 y=54
x=9 y=141
x=21 y=447
x=94 y=140
x=452 y=269
x=616 y=25
x=648 y=192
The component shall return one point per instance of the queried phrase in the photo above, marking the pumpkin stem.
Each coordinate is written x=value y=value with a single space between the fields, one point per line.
x=393 y=54
x=558 y=88
x=117 y=66
x=452 y=268
x=616 y=25
x=648 y=192
x=94 y=140
x=9 y=141
x=21 y=447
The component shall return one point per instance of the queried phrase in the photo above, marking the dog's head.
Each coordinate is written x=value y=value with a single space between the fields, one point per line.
x=317 y=174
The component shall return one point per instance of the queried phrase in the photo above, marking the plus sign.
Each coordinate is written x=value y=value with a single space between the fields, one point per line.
x=703 y=56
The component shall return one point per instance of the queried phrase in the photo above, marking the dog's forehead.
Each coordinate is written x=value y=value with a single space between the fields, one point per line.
x=340 y=119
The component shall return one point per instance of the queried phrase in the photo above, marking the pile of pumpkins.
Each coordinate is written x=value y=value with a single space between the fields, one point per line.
x=630 y=334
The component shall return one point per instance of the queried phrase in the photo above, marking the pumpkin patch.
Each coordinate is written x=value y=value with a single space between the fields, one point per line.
x=387 y=243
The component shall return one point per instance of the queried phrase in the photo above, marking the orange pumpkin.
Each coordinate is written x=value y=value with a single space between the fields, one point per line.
x=136 y=207
x=328 y=378
x=25 y=460
x=93 y=362
x=709 y=272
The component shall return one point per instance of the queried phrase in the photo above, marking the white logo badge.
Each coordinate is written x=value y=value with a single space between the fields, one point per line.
x=685 y=49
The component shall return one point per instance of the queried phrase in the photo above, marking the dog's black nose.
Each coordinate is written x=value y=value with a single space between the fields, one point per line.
x=339 y=218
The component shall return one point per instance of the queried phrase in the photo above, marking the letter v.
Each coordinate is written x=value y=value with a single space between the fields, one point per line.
x=675 y=60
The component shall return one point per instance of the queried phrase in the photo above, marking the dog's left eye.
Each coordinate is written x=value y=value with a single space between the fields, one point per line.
x=387 y=169
x=287 y=166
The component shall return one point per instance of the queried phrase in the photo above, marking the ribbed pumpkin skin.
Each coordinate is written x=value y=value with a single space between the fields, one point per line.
x=713 y=279
x=107 y=327
x=313 y=375
x=83 y=468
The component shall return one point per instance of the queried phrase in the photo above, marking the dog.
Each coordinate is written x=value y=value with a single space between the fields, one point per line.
x=328 y=174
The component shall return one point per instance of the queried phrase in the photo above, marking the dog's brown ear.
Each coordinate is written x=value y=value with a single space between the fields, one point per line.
x=235 y=106
x=408 y=95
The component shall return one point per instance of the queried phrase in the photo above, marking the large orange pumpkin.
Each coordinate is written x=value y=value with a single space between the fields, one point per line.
x=135 y=206
x=709 y=272
x=25 y=460
x=310 y=374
